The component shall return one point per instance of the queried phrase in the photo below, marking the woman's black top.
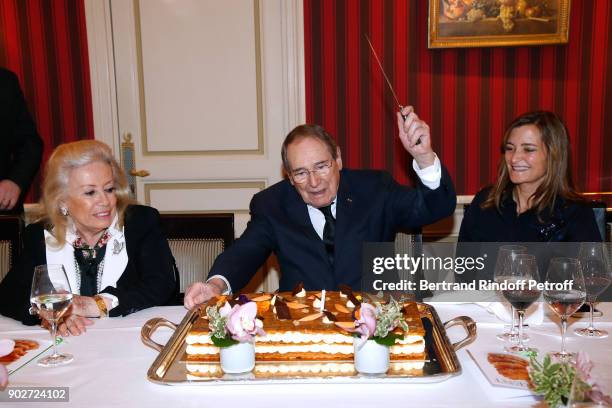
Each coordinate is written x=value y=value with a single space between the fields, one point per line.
x=569 y=222
x=484 y=230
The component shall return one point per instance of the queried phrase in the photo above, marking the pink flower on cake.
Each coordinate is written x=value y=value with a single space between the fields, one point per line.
x=377 y=322
x=242 y=322
x=366 y=324
x=225 y=310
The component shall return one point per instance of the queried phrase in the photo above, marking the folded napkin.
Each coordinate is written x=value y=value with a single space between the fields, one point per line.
x=533 y=315
x=490 y=301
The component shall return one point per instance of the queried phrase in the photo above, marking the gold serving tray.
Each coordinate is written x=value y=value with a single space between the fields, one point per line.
x=170 y=367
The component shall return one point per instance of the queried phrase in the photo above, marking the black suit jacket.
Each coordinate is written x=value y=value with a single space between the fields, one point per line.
x=20 y=144
x=370 y=207
x=148 y=279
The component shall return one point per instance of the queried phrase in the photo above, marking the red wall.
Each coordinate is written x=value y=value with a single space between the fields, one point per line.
x=45 y=43
x=468 y=96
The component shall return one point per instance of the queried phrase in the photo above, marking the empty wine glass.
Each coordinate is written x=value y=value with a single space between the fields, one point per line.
x=597 y=277
x=52 y=296
x=564 y=294
x=505 y=255
x=522 y=292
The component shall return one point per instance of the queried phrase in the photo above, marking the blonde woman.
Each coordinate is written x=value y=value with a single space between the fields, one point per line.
x=114 y=252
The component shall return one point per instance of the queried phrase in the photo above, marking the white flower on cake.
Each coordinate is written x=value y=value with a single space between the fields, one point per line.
x=301 y=293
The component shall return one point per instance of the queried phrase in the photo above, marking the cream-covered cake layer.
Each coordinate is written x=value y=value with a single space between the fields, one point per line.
x=305 y=368
x=345 y=349
x=296 y=337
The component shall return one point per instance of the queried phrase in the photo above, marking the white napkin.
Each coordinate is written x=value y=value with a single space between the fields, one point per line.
x=533 y=315
x=490 y=301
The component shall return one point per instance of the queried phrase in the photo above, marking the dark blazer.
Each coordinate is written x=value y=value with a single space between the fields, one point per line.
x=20 y=145
x=370 y=207
x=483 y=231
x=570 y=222
x=148 y=279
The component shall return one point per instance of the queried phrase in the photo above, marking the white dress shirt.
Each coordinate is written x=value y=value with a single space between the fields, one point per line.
x=430 y=176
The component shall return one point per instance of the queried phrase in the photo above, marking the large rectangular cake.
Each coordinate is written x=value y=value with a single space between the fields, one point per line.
x=302 y=339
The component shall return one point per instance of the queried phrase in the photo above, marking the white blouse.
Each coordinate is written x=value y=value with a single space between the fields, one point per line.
x=115 y=258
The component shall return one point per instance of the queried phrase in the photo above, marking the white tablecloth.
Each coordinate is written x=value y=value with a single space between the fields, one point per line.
x=111 y=363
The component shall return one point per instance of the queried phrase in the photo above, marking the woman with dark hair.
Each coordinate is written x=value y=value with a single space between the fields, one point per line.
x=116 y=257
x=534 y=198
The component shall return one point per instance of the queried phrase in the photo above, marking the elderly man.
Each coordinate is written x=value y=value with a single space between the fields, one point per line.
x=317 y=220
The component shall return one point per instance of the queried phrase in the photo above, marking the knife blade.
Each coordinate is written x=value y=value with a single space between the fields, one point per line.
x=400 y=106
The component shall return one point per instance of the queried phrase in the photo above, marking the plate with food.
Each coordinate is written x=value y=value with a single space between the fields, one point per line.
x=503 y=369
x=23 y=351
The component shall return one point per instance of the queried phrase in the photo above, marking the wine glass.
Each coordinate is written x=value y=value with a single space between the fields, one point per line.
x=521 y=292
x=565 y=293
x=505 y=255
x=52 y=296
x=597 y=277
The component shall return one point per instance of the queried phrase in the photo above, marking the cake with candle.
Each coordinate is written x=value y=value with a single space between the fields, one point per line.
x=305 y=333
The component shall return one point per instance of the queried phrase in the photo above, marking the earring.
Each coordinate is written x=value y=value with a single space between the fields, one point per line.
x=64 y=211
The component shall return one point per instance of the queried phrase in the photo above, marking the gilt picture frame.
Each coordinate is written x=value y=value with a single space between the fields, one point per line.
x=496 y=23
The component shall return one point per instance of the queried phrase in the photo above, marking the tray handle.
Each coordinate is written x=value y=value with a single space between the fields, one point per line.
x=150 y=327
x=470 y=327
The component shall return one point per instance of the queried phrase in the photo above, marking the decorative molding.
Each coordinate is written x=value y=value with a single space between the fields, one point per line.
x=230 y=185
x=141 y=94
x=102 y=72
x=292 y=26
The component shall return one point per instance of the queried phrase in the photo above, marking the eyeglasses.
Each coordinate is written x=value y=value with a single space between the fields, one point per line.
x=320 y=170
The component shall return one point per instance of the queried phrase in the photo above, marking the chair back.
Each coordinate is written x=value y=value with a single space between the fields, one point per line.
x=599 y=210
x=410 y=242
x=11 y=228
x=195 y=241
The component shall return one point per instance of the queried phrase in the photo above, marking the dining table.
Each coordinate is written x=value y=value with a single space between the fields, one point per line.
x=111 y=362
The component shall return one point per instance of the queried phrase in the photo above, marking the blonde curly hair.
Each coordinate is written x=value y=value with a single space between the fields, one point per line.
x=64 y=159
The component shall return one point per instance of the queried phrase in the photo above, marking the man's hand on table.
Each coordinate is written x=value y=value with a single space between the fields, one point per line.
x=200 y=292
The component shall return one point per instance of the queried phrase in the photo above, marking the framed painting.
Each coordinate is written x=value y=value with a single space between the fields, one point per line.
x=494 y=23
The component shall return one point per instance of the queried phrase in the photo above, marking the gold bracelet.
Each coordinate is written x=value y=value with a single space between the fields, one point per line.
x=101 y=306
